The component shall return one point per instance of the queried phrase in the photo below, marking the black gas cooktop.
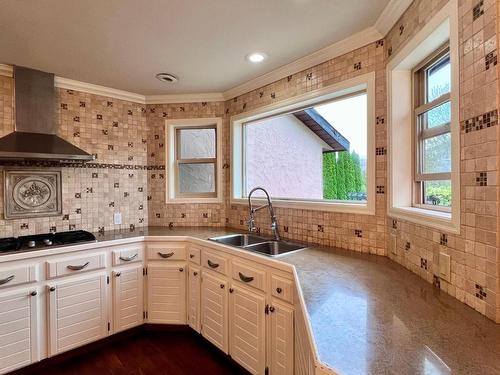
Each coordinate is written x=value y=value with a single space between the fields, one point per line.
x=43 y=241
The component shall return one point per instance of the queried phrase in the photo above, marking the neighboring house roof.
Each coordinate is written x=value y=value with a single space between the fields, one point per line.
x=323 y=129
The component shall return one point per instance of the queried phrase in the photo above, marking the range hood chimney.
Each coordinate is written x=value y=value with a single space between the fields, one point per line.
x=34 y=137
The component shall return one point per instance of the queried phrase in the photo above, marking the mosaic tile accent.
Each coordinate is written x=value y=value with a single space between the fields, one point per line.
x=490 y=60
x=482 y=179
x=443 y=239
x=478 y=10
x=480 y=122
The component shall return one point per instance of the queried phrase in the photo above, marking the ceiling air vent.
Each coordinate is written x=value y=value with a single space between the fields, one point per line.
x=167 y=77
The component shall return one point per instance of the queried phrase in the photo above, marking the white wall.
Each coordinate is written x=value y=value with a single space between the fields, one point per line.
x=284 y=157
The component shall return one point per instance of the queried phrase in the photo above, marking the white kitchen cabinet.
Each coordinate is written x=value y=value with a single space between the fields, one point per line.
x=281 y=333
x=194 y=298
x=214 y=309
x=247 y=330
x=19 y=327
x=128 y=303
x=78 y=312
x=166 y=285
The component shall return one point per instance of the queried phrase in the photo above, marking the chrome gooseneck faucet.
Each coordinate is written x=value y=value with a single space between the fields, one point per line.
x=251 y=212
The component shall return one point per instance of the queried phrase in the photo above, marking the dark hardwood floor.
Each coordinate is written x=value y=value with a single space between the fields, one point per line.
x=143 y=352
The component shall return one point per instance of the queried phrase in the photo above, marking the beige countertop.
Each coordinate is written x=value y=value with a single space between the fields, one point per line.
x=368 y=314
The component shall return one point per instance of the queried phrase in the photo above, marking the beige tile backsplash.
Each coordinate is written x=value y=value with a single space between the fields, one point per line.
x=129 y=140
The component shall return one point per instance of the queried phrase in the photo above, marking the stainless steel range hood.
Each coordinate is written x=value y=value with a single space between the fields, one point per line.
x=35 y=136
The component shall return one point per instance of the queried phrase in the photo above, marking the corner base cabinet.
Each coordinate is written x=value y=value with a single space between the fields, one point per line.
x=214 y=310
x=166 y=293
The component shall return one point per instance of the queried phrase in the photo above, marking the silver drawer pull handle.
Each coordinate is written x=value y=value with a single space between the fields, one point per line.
x=165 y=255
x=128 y=259
x=212 y=264
x=78 y=268
x=7 y=279
x=244 y=278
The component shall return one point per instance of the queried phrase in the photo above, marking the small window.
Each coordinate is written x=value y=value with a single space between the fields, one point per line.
x=193 y=159
x=432 y=134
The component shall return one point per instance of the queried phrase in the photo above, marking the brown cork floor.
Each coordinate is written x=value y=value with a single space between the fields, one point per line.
x=142 y=353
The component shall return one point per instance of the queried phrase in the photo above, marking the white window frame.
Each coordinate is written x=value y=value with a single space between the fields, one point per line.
x=364 y=82
x=171 y=127
x=441 y=29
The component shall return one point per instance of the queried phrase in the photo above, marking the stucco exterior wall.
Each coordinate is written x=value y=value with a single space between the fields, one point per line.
x=284 y=157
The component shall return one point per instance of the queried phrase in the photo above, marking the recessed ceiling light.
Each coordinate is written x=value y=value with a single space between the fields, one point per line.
x=256 y=57
x=167 y=77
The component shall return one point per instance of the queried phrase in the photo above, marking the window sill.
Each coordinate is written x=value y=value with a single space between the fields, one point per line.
x=194 y=200
x=348 y=207
x=440 y=220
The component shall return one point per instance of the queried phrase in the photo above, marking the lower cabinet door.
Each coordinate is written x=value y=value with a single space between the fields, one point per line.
x=167 y=293
x=194 y=298
x=247 y=330
x=128 y=305
x=214 y=310
x=77 y=312
x=281 y=352
x=18 y=329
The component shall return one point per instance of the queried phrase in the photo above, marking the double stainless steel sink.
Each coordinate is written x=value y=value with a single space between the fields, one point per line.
x=258 y=244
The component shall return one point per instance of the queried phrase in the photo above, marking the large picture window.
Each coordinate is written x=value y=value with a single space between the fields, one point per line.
x=312 y=153
x=432 y=118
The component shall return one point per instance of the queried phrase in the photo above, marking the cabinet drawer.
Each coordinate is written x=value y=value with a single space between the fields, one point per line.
x=75 y=264
x=194 y=254
x=17 y=275
x=249 y=275
x=166 y=251
x=282 y=288
x=126 y=256
x=215 y=262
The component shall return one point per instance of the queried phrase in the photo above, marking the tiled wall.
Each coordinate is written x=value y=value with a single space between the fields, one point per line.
x=474 y=253
x=116 y=132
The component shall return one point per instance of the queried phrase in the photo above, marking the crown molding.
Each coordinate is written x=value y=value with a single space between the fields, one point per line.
x=70 y=84
x=6 y=70
x=387 y=19
x=390 y=15
x=339 y=48
x=185 y=98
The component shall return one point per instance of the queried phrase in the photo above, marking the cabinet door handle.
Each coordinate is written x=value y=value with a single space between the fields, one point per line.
x=244 y=278
x=191 y=256
x=222 y=286
x=271 y=308
x=52 y=288
x=78 y=268
x=231 y=290
x=212 y=264
x=279 y=290
x=128 y=259
x=181 y=269
x=7 y=279
x=195 y=273
x=118 y=274
x=33 y=293
x=165 y=255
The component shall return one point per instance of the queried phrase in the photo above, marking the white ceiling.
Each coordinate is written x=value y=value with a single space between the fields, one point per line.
x=123 y=43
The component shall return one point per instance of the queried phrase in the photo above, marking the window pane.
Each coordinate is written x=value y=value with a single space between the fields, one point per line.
x=197 y=178
x=437 y=116
x=437 y=154
x=438 y=79
x=310 y=155
x=197 y=143
x=437 y=193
